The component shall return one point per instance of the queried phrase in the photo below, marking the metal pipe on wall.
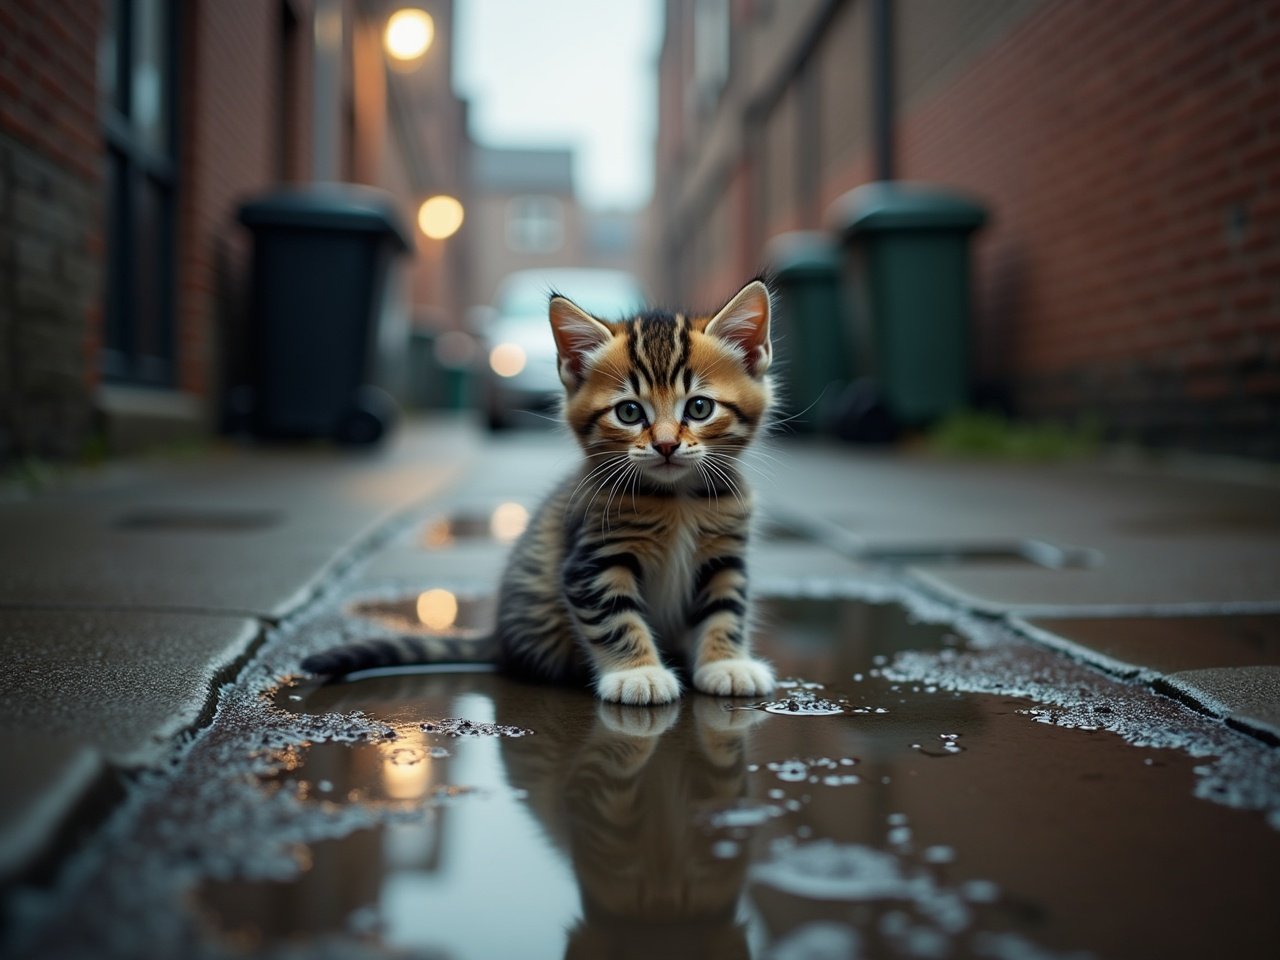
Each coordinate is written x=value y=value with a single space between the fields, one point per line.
x=326 y=97
x=882 y=92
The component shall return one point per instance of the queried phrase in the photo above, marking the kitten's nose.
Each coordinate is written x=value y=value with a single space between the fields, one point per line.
x=666 y=447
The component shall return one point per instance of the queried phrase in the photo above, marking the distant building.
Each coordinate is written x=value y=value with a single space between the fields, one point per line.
x=527 y=215
x=130 y=133
x=1128 y=153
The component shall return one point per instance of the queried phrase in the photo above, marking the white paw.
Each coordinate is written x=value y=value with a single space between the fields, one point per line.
x=734 y=678
x=654 y=721
x=638 y=686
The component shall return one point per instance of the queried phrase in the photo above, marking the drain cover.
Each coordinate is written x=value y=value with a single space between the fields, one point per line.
x=232 y=521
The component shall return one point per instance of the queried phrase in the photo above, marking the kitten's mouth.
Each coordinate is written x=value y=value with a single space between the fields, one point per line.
x=668 y=468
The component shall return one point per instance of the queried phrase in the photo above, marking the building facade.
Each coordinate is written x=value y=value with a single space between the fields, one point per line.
x=528 y=217
x=130 y=134
x=1129 y=155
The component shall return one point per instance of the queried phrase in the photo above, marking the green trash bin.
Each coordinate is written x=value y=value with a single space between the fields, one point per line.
x=907 y=249
x=812 y=356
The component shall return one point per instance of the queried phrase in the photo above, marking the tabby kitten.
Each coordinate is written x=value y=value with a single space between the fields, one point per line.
x=637 y=560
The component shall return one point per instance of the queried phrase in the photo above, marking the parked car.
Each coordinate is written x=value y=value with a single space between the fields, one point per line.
x=520 y=353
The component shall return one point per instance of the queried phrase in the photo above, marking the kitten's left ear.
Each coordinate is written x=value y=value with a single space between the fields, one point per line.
x=743 y=323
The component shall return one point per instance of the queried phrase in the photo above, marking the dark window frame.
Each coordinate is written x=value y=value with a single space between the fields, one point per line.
x=138 y=171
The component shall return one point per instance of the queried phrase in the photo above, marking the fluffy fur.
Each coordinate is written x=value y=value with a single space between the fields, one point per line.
x=635 y=564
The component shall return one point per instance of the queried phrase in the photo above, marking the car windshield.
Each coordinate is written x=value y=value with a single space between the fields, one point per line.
x=609 y=294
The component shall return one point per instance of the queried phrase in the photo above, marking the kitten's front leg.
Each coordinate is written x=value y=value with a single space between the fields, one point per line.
x=722 y=661
x=602 y=587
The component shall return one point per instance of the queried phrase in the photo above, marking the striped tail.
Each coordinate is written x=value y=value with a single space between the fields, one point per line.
x=401 y=651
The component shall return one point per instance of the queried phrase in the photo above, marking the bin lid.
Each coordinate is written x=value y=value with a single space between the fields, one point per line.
x=329 y=206
x=803 y=253
x=898 y=205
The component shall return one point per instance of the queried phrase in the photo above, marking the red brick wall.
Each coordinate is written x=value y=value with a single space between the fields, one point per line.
x=51 y=170
x=230 y=148
x=48 y=80
x=1131 y=156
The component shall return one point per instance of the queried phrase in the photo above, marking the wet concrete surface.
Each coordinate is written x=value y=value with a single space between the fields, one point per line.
x=1130 y=646
x=927 y=784
x=959 y=794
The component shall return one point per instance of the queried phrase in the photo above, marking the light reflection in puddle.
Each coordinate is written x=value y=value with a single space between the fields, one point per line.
x=504 y=523
x=434 y=611
x=695 y=830
x=386 y=771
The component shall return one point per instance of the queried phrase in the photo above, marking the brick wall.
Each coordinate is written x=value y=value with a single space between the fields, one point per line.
x=1131 y=156
x=51 y=168
x=230 y=150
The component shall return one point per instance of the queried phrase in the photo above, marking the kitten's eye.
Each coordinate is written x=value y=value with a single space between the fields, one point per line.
x=629 y=412
x=699 y=408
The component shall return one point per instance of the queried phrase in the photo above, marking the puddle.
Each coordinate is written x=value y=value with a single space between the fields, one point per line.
x=433 y=612
x=1000 y=796
x=246 y=914
x=386 y=771
x=456 y=727
x=503 y=524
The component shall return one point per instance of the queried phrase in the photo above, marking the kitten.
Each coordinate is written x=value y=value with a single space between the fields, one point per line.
x=637 y=560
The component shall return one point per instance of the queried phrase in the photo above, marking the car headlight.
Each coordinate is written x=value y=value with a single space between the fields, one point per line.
x=507 y=359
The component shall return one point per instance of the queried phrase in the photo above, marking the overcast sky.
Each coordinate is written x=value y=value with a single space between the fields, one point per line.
x=576 y=73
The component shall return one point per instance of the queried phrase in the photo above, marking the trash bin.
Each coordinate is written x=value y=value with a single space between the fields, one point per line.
x=908 y=258
x=812 y=347
x=322 y=262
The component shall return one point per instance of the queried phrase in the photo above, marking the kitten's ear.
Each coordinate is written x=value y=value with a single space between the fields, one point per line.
x=743 y=323
x=578 y=334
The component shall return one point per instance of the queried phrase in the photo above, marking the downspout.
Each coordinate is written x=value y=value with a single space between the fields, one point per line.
x=882 y=93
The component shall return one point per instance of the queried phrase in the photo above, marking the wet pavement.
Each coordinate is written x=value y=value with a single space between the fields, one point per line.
x=927 y=782
x=922 y=785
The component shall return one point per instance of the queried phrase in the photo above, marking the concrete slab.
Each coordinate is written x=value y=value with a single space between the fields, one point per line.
x=1132 y=577
x=122 y=683
x=241 y=532
x=1159 y=540
x=1246 y=697
x=1151 y=646
x=52 y=781
x=471 y=565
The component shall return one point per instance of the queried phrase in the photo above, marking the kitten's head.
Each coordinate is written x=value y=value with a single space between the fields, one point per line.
x=672 y=393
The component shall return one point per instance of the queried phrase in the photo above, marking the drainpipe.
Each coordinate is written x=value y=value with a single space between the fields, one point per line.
x=326 y=93
x=882 y=86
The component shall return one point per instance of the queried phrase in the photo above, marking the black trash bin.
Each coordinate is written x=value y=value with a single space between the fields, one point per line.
x=812 y=348
x=322 y=258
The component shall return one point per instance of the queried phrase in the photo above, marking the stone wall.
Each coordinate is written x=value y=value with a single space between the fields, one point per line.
x=51 y=167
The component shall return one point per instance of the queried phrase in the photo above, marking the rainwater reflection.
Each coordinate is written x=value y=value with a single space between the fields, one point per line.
x=916 y=822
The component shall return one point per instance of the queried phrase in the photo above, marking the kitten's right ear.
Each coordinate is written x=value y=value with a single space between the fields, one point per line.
x=578 y=335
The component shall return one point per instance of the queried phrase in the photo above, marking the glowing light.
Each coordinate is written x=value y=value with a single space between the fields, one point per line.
x=508 y=522
x=440 y=216
x=507 y=359
x=406 y=769
x=437 y=609
x=438 y=535
x=409 y=33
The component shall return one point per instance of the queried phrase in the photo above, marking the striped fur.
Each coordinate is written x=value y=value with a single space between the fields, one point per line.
x=635 y=563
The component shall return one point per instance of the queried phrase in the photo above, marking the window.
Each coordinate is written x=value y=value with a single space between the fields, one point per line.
x=136 y=72
x=711 y=47
x=535 y=224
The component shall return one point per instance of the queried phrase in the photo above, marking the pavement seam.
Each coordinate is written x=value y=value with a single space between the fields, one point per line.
x=913 y=582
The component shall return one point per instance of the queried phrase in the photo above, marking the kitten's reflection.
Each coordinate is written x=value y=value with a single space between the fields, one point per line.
x=628 y=804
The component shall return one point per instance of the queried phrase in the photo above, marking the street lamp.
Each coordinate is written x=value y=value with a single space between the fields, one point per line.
x=440 y=216
x=408 y=34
